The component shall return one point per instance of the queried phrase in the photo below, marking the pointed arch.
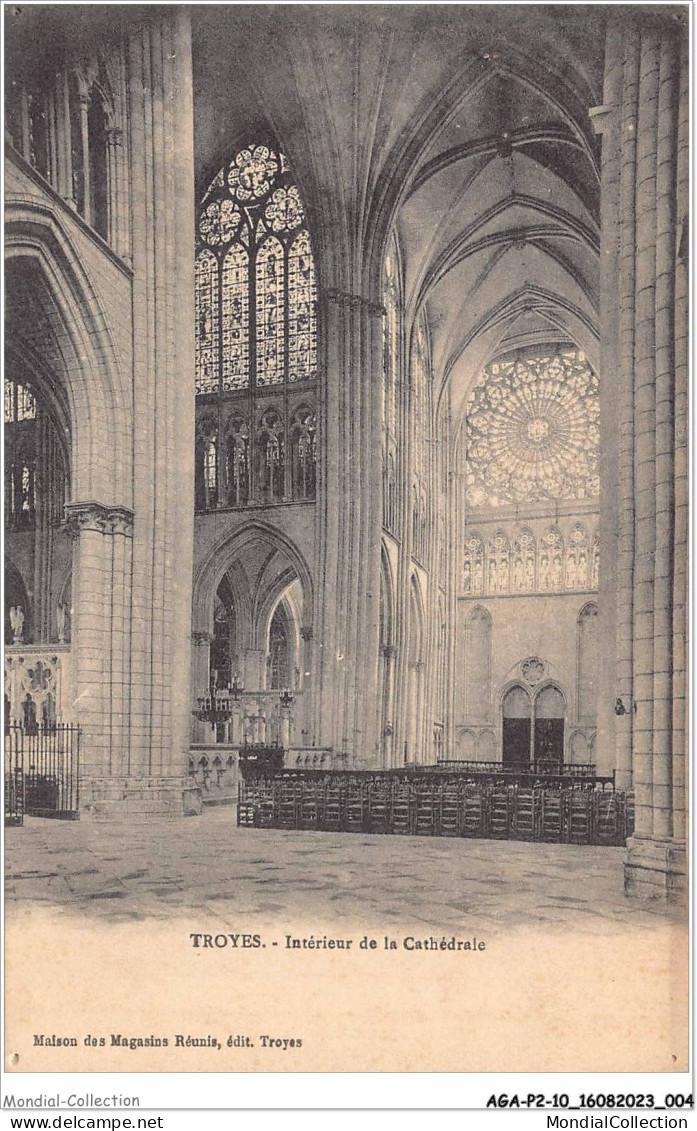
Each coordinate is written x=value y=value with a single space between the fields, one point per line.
x=230 y=548
x=42 y=260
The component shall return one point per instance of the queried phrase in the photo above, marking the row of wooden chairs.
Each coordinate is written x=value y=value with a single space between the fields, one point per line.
x=448 y=808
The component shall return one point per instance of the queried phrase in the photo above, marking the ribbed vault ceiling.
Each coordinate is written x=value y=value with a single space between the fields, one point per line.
x=463 y=129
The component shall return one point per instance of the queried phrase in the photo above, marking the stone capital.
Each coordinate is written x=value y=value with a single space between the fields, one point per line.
x=114 y=135
x=355 y=302
x=601 y=117
x=95 y=516
x=201 y=638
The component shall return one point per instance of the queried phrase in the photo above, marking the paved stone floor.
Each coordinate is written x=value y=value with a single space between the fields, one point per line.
x=165 y=869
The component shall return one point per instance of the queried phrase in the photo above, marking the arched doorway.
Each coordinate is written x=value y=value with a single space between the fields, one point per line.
x=549 y=725
x=517 y=725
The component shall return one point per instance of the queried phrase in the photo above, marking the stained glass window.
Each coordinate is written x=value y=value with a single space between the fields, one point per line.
x=532 y=430
x=207 y=323
x=256 y=325
x=255 y=278
x=279 y=675
x=270 y=313
x=235 y=319
x=302 y=321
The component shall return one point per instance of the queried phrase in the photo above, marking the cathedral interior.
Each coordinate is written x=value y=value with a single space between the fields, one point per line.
x=346 y=386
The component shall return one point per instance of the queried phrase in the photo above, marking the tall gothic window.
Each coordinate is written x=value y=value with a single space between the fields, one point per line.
x=256 y=327
x=278 y=660
x=35 y=465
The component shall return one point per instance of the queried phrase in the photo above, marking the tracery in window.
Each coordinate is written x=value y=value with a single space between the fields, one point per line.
x=252 y=220
x=532 y=430
x=235 y=321
x=279 y=666
x=256 y=328
x=302 y=328
x=207 y=323
x=270 y=320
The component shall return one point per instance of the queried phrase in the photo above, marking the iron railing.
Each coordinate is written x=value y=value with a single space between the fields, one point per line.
x=42 y=771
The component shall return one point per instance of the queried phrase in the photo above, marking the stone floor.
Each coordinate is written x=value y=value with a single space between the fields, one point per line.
x=161 y=870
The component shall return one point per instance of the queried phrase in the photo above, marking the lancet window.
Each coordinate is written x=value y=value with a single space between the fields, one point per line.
x=35 y=463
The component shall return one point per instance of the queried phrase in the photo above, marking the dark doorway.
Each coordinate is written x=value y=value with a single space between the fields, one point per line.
x=517 y=713
x=549 y=727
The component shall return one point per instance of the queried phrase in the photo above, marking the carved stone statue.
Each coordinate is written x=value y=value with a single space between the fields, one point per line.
x=60 y=622
x=17 y=623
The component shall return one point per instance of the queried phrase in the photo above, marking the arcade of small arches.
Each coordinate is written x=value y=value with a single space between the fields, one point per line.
x=331 y=450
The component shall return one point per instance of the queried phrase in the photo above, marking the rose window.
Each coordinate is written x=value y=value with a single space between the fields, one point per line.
x=532 y=431
x=284 y=210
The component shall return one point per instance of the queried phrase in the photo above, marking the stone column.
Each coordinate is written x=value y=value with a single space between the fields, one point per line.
x=306 y=737
x=99 y=638
x=200 y=680
x=113 y=143
x=649 y=299
x=349 y=528
x=616 y=505
x=43 y=536
x=162 y=224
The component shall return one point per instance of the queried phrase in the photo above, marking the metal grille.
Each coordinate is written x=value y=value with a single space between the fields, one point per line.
x=42 y=771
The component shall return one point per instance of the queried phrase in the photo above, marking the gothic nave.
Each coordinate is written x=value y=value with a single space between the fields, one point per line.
x=346 y=380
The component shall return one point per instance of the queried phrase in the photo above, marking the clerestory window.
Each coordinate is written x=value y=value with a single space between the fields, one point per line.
x=256 y=334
